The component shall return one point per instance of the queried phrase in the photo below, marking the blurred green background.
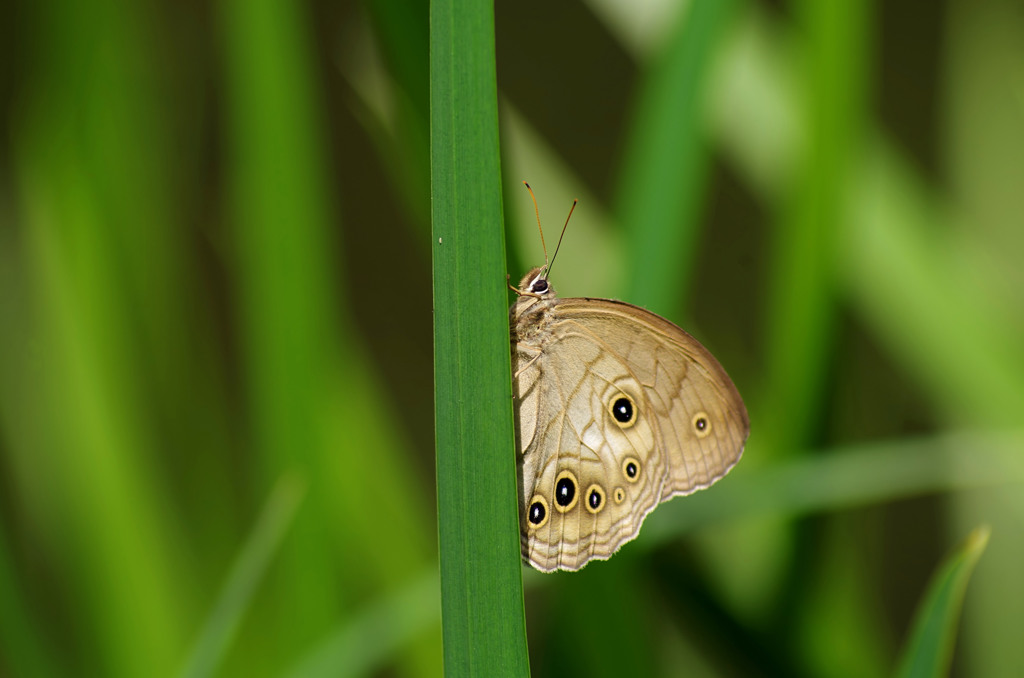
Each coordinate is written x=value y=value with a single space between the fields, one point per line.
x=216 y=437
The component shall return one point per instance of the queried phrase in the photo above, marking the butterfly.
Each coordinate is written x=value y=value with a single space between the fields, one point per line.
x=617 y=410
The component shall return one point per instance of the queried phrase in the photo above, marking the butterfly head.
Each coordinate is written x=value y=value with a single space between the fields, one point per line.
x=536 y=298
x=535 y=284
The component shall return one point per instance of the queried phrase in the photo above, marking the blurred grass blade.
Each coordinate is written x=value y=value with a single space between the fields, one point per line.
x=247 y=573
x=846 y=478
x=666 y=161
x=369 y=640
x=23 y=648
x=96 y=211
x=401 y=27
x=908 y=279
x=930 y=648
x=904 y=276
x=800 y=317
x=279 y=209
x=313 y=399
x=482 y=613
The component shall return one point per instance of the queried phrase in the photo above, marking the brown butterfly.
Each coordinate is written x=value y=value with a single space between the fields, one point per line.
x=617 y=410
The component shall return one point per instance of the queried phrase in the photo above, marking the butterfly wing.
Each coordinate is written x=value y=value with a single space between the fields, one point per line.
x=618 y=410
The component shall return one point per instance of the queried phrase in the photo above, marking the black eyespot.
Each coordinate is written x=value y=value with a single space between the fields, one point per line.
x=620 y=495
x=595 y=498
x=622 y=410
x=539 y=286
x=631 y=469
x=565 y=492
x=701 y=425
x=538 y=512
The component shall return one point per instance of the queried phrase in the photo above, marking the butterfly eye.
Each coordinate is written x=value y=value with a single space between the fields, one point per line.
x=631 y=469
x=620 y=495
x=538 y=513
x=565 y=491
x=623 y=411
x=539 y=286
x=701 y=425
x=595 y=498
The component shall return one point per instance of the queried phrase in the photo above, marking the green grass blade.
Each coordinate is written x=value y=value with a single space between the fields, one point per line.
x=905 y=277
x=401 y=131
x=482 y=611
x=847 y=478
x=88 y=161
x=23 y=646
x=247 y=573
x=800 y=316
x=930 y=648
x=315 y=404
x=665 y=167
x=915 y=288
x=369 y=640
x=282 y=227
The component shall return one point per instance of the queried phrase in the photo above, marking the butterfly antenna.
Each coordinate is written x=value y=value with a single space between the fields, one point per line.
x=537 y=212
x=574 y=201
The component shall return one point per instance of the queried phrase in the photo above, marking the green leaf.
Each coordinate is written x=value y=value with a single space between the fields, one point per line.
x=482 y=610
x=800 y=319
x=930 y=648
x=249 y=570
x=847 y=477
x=666 y=162
x=364 y=644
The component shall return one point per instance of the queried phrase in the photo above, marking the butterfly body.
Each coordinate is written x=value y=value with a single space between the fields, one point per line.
x=617 y=410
